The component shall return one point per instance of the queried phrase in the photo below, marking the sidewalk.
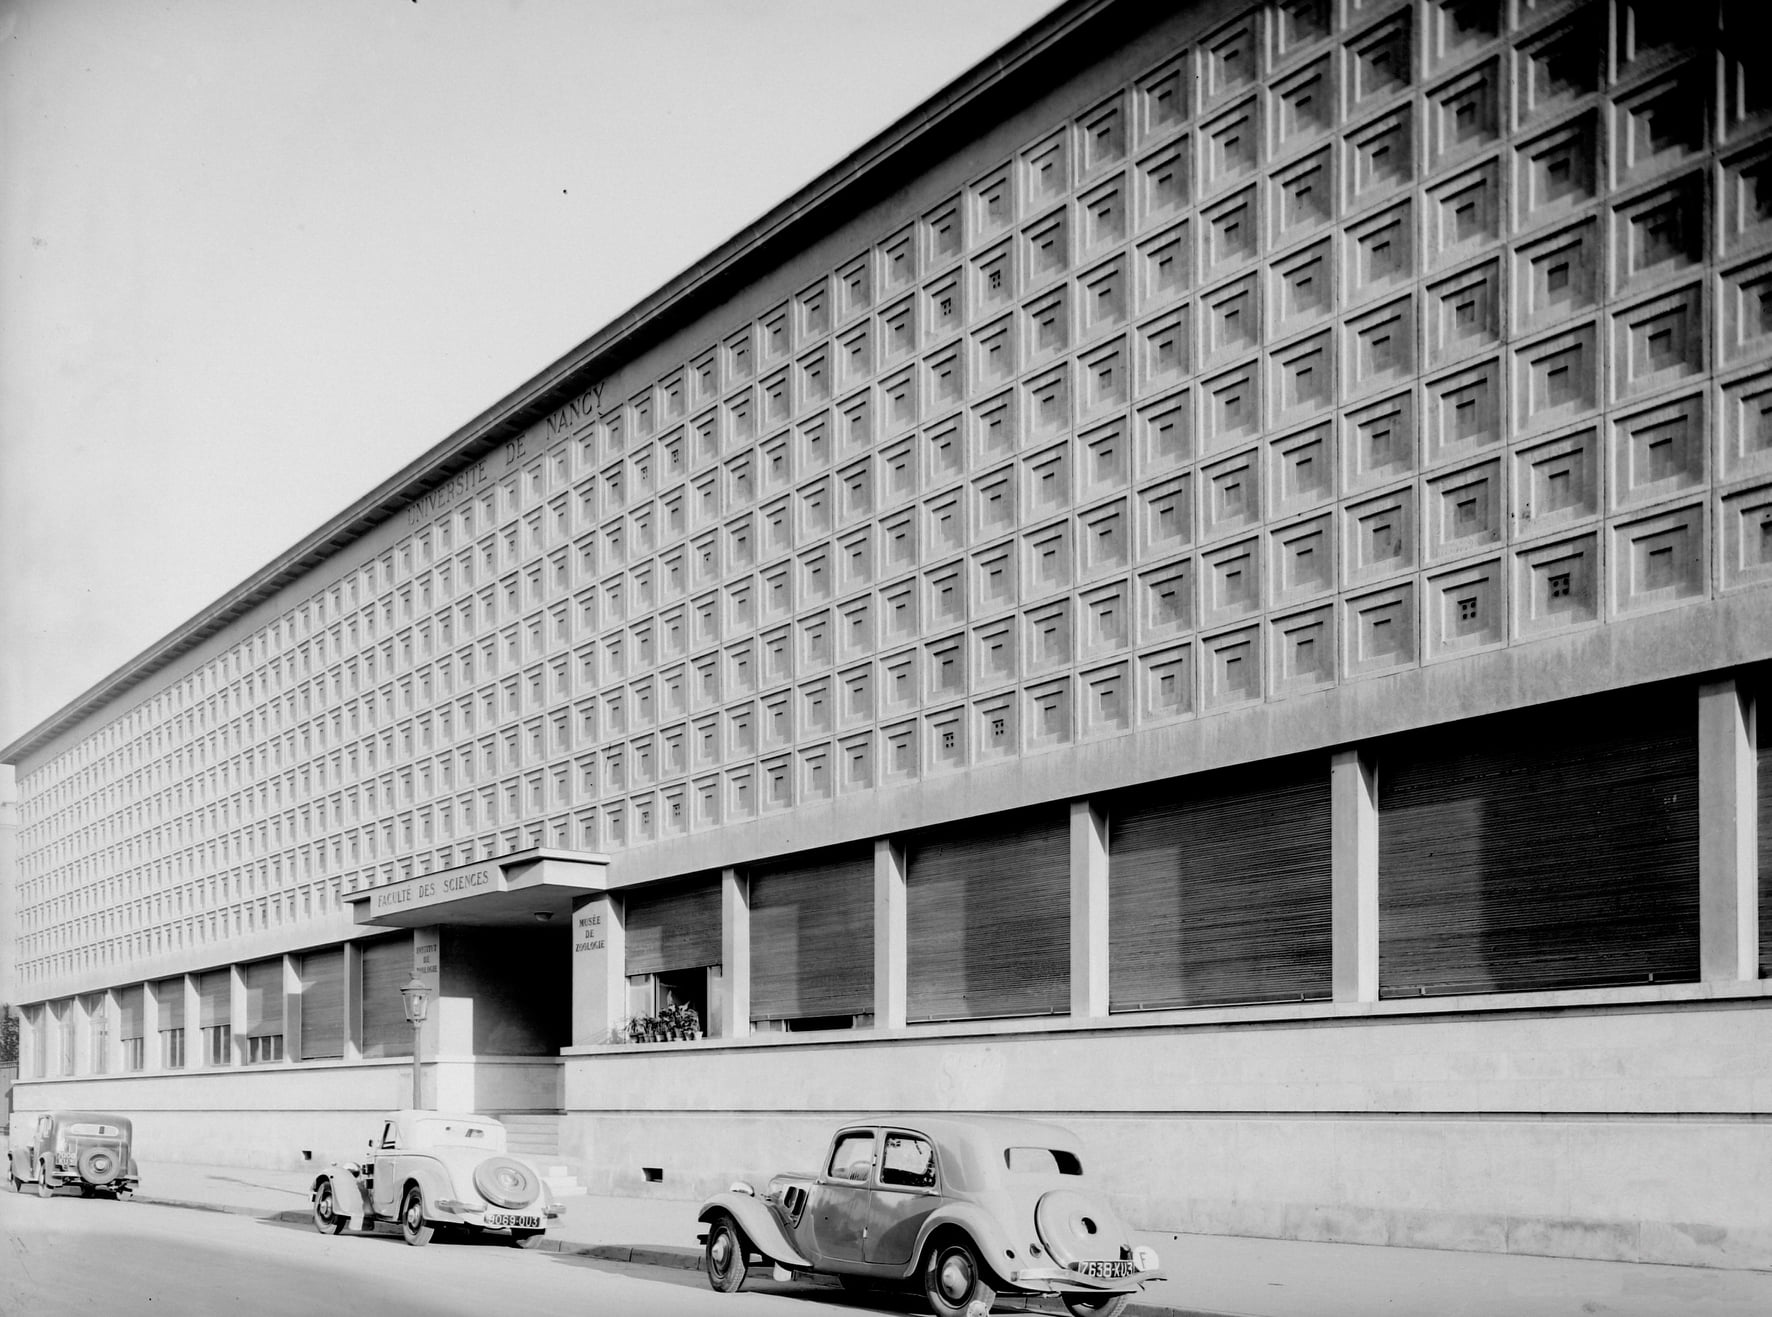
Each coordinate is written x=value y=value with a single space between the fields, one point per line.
x=1211 y=1275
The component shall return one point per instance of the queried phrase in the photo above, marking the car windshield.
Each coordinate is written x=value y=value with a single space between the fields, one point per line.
x=459 y=1134
x=1042 y=1161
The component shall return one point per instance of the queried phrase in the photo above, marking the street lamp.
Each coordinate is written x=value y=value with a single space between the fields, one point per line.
x=416 y=998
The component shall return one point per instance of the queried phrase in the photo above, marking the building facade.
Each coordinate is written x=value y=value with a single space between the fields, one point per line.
x=1207 y=584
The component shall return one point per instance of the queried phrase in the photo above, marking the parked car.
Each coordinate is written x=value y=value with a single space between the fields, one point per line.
x=93 y=1149
x=966 y=1207
x=436 y=1168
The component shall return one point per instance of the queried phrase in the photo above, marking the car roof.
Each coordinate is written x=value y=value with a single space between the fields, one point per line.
x=407 y=1114
x=1003 y=1131
x=88 y=1117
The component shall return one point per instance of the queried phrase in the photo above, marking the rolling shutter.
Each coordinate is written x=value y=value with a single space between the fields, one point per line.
x=987 y=908
x=1764 y=786
x=1218 y=888
x=1551 y=848
x=323 y=1004
x=812 y=936
x=263 y=980
x=387 y=967
x=673 y=927
x=129 y=1012
x=169 y=994
x=213 y=992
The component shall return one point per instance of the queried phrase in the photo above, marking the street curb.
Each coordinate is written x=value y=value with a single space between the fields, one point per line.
x=642 y=1255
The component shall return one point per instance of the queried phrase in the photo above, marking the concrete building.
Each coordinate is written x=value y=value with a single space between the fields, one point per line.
x=1209 y=583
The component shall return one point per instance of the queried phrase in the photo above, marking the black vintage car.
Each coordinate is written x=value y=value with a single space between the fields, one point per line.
x=91 y=1149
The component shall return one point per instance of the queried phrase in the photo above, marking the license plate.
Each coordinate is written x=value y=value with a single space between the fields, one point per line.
x=1106 y=1270
x=515 y=1220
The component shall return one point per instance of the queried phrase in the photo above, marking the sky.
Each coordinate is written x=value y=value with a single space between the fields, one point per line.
x=258 y=255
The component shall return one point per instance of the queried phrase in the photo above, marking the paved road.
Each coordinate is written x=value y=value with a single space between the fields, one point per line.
x=95 y=1256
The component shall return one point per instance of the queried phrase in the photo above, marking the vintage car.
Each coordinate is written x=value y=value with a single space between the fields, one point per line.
x=89 y=1148
x=966 y=1207
x=435 y=1168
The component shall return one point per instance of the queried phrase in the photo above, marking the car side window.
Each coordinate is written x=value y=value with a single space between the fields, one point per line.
x=853 y=1157
x=387 y=1135
x=909 y=1162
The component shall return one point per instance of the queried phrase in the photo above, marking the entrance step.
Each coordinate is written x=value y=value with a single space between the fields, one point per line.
x=562 y=1183
x=533 y=1134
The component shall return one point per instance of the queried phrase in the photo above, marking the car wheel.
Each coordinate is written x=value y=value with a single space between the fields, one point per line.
x=18 y=1185
x=44 y=1188
x=412 y=1219
x=1096 y=1305
x=525 y=1238
x=953 y=1280
x=326 y=1218
x=726 y=1265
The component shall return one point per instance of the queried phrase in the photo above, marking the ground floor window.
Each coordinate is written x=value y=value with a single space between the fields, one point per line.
x=812 y=941
x=172 y=1049
x=129 y=1027
x=1554 y=847
x=218 y=1041
x=264 y=1047
x=169 y=999
x=386 y=968
x=673 y=942
x=1219 y=888
x=322 y=975
x=987 y=914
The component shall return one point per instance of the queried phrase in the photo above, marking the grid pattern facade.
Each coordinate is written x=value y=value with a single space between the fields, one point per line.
x=1346 y=338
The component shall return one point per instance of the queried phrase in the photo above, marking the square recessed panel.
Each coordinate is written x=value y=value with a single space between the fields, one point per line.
x=1659 y=560
x=1556 y=482
x=1379 y=442
x=1466 y=510
x=1378 y=630
x=1658 y=343
x=1746 y=534
x=1379 y=536
x=1464 y=609
x=1556 y=586
x=1555 y=172
x=1659 y=452
x=1558 y=276
x=1746 y=426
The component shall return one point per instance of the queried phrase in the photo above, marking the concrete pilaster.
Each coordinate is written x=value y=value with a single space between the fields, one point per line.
x=236 y=1015
x=599 y=969
x=891 y=953
x=353 y=1001
x=735 y=954
x=292 y=1004
x=1354 y=875
x=1089 y=911
x=1728 y=843
x=150 y=1030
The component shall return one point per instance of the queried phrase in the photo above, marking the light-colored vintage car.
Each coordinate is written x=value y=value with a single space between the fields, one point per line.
x=967 y=1207
x=92 y=1149
x=436 y=1168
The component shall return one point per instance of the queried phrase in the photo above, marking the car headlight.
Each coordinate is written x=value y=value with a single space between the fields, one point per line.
x=1144 y=1257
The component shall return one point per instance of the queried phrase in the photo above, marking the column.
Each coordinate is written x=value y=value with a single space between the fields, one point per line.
x=1353 y=887
x=353 y=1001
x=890 y=938
x=27 y=1041
x=196 y=1056
x=107 y=1041
x=735 y=953
x=150 y=1030
x=236 y=1016
x=1089 y=911
x=1728 y=842
x=599 y=969
x=292 y=1004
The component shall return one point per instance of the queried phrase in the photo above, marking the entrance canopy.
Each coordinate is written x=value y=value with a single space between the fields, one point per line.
x=522 y=889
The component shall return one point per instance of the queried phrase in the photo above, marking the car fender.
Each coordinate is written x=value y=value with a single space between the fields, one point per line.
x=347 y=1195
x=993 y=1244
x=434 y=1182
x=759 y=1225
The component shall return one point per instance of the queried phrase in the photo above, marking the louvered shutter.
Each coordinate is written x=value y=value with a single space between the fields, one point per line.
x=1219 y=888
x=129 y=1012
x=169 y=995
x=387 y=967
x=213 y=992
x=1552 y=848
x=1765 y=832
x=987 y=910
x=323 y=1004
x=672 y=927
x=812 y=936
x=263 y=980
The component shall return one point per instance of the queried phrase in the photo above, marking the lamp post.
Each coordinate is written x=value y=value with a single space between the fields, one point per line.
x=416 y=998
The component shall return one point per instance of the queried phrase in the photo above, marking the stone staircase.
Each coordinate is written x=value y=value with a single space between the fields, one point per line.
x=535 y=1137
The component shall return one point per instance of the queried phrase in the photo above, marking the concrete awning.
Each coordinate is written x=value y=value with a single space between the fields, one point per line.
x=522 y=889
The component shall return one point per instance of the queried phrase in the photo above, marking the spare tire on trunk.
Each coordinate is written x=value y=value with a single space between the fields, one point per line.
x=506 y=1182
x=98 y=1166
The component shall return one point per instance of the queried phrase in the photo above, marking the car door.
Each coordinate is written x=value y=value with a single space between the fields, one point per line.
x=905 y=1192
x=841 y=1198
x=384 y=1173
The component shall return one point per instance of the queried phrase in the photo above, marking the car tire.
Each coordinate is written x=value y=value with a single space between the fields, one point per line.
x=1096 y=1305
x=724 y=1261
x=954 y=1280
x=326 y=1218
x=525 y=1238
x=44 y=1188
x=506 y=1182
x=412 y=1219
